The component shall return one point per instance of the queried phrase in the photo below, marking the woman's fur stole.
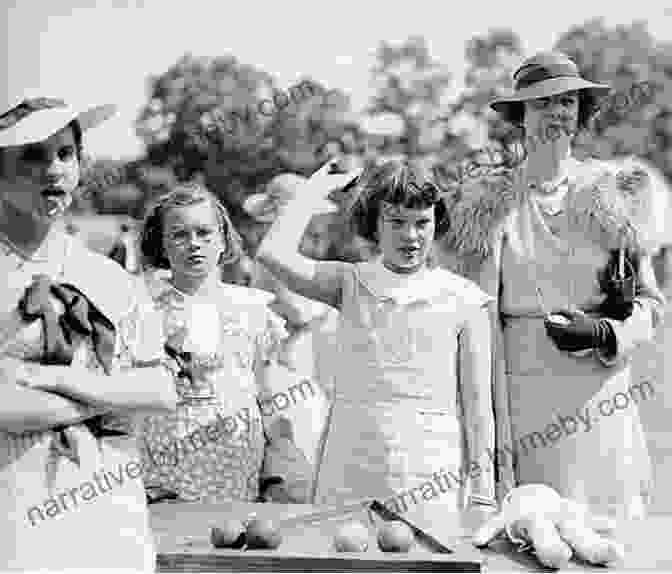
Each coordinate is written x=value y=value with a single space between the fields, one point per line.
x=618 y=203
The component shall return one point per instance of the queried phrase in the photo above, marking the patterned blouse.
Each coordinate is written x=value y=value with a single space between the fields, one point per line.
x=212 y=447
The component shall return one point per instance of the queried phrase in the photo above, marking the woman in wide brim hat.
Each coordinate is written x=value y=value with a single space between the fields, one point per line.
x=564 y=246
x=546 y=75
x=71 y=495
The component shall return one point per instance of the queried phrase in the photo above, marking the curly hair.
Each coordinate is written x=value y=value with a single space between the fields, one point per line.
x=404 y=183
x=180 y=195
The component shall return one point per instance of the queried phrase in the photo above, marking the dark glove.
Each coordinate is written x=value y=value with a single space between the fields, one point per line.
x=583 y=332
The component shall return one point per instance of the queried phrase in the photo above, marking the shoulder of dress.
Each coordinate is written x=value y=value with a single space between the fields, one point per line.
x=251 y=296
x=476 y=209
x=453 y=285
x=627 y=198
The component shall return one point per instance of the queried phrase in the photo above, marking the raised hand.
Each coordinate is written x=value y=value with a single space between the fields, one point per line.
x=332 y=176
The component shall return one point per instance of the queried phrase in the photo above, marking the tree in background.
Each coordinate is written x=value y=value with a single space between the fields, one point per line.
x=410 y=86
x=491 y=60
x=634 y=122
x=232 y=125
x=631 y=121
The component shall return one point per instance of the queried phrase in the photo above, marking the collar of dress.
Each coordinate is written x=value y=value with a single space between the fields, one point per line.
x=425 y=285
x=619 y=203
x=160 y=288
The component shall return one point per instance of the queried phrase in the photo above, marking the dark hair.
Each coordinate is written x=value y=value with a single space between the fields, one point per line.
x=183 y=194
x=405 y=183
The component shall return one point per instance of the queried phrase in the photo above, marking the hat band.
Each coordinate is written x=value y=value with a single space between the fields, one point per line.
x=541 y=73
x=25 y=108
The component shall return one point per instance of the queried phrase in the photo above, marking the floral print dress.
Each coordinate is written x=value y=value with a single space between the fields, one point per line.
x=212 y=447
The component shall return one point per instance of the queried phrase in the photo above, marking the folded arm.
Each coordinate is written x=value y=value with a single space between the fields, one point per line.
x=142 y=388
x=23 y=409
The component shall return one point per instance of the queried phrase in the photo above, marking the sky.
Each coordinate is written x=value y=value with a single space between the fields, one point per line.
x=104 y=51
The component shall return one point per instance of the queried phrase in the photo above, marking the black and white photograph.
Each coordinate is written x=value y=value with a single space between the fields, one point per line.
x=356 y=287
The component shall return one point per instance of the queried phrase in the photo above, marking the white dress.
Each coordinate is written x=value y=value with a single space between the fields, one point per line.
x=407 y=420
x=86 y=510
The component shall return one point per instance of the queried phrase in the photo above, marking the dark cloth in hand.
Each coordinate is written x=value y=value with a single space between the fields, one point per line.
x=80 y=317
x=583 y=332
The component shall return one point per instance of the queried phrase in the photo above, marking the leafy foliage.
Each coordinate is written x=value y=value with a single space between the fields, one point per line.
x=232 y=125
x=411 y=86
x=636 y=121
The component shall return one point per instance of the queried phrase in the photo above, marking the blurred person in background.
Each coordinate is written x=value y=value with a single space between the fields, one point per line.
x=564 y=248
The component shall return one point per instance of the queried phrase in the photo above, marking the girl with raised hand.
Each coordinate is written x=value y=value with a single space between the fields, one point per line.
x=213 y=447
x=71 y=494
x=411 y=420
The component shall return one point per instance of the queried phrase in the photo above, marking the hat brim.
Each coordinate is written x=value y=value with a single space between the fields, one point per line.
x=42 y=124
x=509 y=107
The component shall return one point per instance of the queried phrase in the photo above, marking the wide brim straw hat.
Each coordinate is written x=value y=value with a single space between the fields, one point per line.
x=541 y=76
x=27 y=119
x=264 y=206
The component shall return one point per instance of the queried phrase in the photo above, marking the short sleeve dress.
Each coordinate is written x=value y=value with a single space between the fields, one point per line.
x=398 y=430
x=212 y=447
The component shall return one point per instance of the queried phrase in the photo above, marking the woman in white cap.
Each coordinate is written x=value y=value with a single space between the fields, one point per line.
x=564 y=246
x=71 y=495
